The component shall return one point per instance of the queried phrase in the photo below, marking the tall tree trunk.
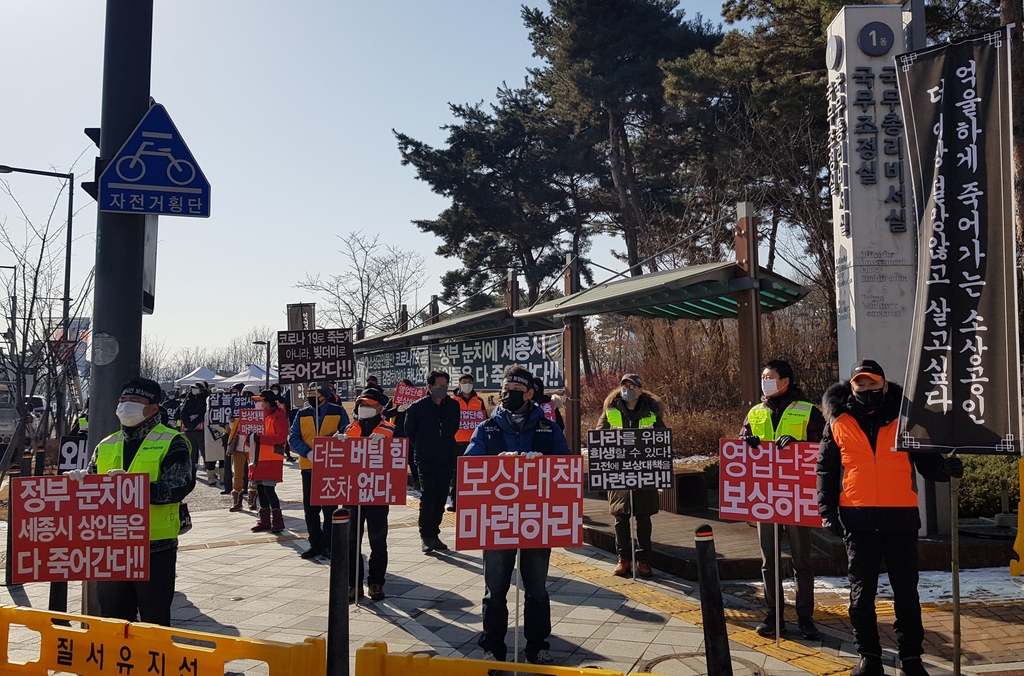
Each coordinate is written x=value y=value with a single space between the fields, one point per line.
x=629 y=226
x=772 y=239
x=630 y=173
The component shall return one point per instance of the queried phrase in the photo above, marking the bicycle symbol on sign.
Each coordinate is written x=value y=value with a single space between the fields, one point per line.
x=180 y=172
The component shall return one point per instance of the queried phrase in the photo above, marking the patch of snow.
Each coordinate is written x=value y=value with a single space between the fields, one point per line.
x=988 y=585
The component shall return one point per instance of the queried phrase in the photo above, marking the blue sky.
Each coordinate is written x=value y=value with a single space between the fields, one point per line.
x=288 y=107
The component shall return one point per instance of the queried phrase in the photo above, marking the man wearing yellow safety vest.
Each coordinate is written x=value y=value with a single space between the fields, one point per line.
x=630 y=406
x=783 y=416
x=145 y=446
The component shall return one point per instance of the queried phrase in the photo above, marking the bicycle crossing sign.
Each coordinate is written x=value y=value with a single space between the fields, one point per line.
x=155 y=173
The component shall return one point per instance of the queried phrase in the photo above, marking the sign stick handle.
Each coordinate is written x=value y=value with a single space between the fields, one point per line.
x=954 y=509
x=632 y=536
x=515 y=654
x=359 y=550
x=779 y=605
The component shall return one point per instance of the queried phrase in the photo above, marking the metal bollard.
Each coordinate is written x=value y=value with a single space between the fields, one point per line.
x=337 y=608
x=712 y=609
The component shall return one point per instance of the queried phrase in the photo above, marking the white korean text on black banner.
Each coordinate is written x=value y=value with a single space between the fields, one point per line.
x=390 y=366
x=963 y=389
x=224 y=406
x=626 y=459
x=316 y=354
x=487 y=358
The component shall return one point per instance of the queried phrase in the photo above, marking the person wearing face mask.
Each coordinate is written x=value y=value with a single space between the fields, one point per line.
x=283 y=401
x=468 y=400
x=430 y=425
x=629 y=406
x=144 y=445
x=373 y=519
x=193 y=415
x=867 y=495
x=518 y=427
x=784 y=416
x=396 y=416
x=320 y=418
x=267 y=468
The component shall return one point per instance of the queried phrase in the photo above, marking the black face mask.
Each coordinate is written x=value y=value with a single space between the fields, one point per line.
x=512 y=400
x=313 y=401
x=870 y=400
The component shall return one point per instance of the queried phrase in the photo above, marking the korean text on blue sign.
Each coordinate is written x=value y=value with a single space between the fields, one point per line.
x=316 y=354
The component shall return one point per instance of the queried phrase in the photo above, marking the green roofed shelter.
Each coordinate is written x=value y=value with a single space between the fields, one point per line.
x=696 y=292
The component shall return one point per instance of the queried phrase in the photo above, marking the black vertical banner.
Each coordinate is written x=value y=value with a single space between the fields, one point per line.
x=963 y=384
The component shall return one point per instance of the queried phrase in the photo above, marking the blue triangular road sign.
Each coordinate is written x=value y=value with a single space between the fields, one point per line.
x=155 y=173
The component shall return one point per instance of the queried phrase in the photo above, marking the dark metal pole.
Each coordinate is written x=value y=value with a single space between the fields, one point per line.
x=712 y=609
x=120 y=238
x=268 y=364
x=337 y=604
x=66 y=313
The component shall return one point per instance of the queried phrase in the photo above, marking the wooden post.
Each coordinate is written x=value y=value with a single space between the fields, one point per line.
x=749 y=311
x=512 y=297
x=572 y=346
x=435 y=311
x=403 y=318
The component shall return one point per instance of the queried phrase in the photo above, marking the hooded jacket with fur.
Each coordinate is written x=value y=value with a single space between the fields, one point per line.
x=839 y=401
x=645 y=500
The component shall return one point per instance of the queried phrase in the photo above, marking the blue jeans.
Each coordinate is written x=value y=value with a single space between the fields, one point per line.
x=533 y=569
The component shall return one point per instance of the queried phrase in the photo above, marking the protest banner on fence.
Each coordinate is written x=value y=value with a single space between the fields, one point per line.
x=963 y=377
x=487 y=358
x=73 y=454
x=224 y=406
x=470 y=420
x=769 y=484
x=406 y=394
x=64 y=530
x=390 y=366
x=316 y=354
x=359 y=471
x=508 y=502
x=626 y=459
x=252 y=421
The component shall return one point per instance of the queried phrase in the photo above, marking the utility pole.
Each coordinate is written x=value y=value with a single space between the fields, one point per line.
x=120 y=238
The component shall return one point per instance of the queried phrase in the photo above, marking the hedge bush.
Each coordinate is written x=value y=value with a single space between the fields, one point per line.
x=980 y=487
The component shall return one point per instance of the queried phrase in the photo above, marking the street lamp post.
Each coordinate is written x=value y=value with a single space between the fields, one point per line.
x=267 y=343
x=66 y=310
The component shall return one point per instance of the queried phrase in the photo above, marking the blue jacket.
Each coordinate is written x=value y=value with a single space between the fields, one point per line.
x=499 y=434
x=304 y=425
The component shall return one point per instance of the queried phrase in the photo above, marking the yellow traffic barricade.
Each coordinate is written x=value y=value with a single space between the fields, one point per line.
x=373 y=659
x=94 y=646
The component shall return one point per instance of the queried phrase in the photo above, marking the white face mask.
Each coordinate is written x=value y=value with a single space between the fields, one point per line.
x=770 y=387
x=130 y=413
x=466 y=388
x=366 y=412
x=262 y=405
x=194 y=390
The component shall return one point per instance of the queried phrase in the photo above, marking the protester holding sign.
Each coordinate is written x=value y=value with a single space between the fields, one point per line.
x=431 y=424
x=473 y=411
x=867 y=495
x=320 y=418
x=394 y=413
x=783 y=416
x=629 y=406
x=369 y=423
x=144 y=445
x=267 y=468
x=551 y=403
x=193 y=412
x=518 y=426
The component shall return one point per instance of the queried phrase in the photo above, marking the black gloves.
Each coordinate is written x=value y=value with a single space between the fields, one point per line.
x=783 y=441
x=953 y=466
x=830 y=520
x=753 y=441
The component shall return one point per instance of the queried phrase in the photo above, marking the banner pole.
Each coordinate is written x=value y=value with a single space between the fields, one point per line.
x=515 y=655
x=954 y=508
x=359 y=550
x=632 y=536
x=779 y=606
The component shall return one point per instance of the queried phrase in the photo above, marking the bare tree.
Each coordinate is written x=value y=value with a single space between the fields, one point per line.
x=377 y=280
x=154 y=362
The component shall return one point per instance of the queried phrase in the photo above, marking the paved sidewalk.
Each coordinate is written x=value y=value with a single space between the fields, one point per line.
x=234 y=582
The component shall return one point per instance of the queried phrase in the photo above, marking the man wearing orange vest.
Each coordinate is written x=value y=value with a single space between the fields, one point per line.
x=867 y=495
x=373 y=519
x=468 y=400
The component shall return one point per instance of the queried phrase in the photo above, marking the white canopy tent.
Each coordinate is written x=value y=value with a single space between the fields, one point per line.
x=199 y=374
x=252 y=376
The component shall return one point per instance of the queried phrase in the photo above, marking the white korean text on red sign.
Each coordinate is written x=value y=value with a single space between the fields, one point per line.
x=359 y=471
x=65 y=530
x=512 y=502
x=769 y=484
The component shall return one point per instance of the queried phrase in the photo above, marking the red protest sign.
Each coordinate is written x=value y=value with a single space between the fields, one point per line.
x=359 y=471
x=769 y=484
x=64 y=530
x=470 y=420
x=251 y=420
x=406 y=394
x=549 y=411
x=508 y=502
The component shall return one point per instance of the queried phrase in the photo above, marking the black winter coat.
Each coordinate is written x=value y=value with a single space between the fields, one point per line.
x=645 y=500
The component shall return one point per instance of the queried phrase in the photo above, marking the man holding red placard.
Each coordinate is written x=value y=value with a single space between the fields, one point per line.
x=517 y=427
